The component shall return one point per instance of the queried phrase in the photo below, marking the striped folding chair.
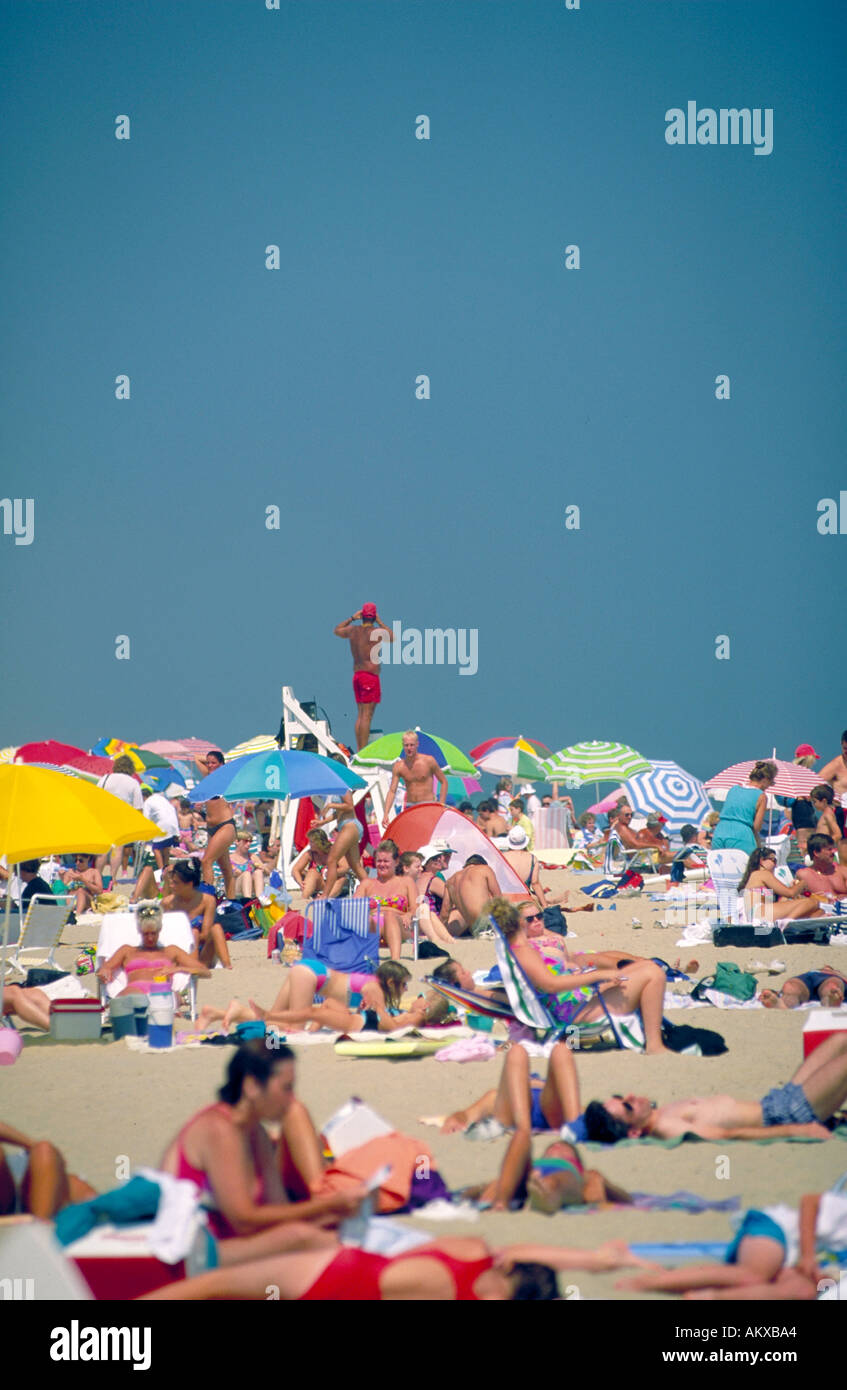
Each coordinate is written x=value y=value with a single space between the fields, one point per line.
x=528 y=1009
x=340 y=934
x=619 y=858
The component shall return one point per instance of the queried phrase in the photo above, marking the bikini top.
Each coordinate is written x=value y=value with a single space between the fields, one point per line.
x=146 y=963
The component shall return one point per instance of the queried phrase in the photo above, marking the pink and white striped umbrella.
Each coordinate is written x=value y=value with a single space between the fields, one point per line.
x=790 y=779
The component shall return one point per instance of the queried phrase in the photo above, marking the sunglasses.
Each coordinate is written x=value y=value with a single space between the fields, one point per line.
x=534 y=917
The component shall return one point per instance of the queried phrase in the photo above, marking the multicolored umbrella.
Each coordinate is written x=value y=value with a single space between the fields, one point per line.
x=671 y=792
x=791 y=780
x=596 y=761
x=518 y=761
x=63 y=755
x=386 y=750
x=462 y=788
x=278 y=774
x=141 y=758
x=529 y=745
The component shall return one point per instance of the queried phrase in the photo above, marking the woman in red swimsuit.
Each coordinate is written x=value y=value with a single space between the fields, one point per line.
x=226 y=1151
x=452 y=1271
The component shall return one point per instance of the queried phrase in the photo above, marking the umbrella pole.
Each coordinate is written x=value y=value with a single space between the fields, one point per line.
x=5 y=951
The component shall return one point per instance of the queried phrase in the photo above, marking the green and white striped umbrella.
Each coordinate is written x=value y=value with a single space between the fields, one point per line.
x=596 y=761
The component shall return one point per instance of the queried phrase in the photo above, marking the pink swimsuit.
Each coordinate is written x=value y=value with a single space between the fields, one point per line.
x=218 y=1224
x=146 y=963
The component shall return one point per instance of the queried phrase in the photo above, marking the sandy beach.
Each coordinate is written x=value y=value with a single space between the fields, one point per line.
x=102 y=1102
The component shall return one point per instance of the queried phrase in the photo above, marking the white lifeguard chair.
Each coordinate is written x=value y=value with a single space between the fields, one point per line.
x=297 y=727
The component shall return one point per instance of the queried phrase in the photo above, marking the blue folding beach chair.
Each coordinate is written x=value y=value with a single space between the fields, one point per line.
x=340 y=934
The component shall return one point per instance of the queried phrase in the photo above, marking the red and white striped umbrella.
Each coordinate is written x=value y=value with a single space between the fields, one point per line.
x=791 y=780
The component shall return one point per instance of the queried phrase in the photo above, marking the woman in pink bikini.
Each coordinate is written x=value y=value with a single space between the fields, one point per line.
x=243 y=1174
x=148 y=964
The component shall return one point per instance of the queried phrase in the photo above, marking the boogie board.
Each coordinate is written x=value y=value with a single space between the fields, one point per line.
x=363 y=1046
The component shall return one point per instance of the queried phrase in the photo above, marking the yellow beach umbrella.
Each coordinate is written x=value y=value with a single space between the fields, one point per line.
x=45 y=812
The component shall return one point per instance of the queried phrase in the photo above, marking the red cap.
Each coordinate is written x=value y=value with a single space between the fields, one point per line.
x=805 y=750
x=368 y=610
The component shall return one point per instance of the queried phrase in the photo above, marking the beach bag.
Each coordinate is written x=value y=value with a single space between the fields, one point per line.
x=728 y=978
x=38 y=977
x=747 y=936
x=236 y=922
x=802 y=933
x=630 y=878
x=555 y=921
x=260 y=917
x=680 y=1036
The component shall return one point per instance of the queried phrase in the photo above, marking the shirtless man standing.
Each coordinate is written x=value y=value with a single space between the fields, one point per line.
x=835 y=773
x=467 y=894
x=364 y=646
x=416 y=770
x=816 y=1091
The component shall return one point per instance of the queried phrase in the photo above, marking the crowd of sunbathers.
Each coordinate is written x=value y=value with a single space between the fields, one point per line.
x=273 y=1224
x=275 y=1219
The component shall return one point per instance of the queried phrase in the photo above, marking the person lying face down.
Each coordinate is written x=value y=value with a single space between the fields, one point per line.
x=826 y=985
x=815 y=1094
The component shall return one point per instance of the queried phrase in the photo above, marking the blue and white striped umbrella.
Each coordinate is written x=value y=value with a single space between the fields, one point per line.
x=671 y=792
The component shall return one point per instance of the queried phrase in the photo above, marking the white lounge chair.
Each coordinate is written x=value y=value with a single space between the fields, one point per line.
x=121 y=929
x=39 y=932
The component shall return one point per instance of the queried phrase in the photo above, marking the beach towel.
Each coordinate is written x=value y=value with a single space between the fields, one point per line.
x=136 y=1200
x=398 y=1152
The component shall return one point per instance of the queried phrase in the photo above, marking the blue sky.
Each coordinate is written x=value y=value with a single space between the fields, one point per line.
x=549 y=387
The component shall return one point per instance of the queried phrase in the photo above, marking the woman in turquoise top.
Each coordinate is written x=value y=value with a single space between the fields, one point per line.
x=744 y=810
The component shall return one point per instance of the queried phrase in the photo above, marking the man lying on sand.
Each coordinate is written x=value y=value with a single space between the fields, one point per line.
x=523 y=1103
x=815 y=1093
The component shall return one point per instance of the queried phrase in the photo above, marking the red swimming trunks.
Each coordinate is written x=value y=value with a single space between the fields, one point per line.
x=366 y=688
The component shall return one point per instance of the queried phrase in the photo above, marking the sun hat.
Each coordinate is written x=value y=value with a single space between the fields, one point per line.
x=805 y=750
x=518 y=838
x=433 y=849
